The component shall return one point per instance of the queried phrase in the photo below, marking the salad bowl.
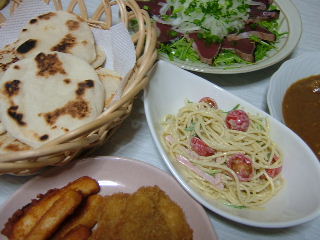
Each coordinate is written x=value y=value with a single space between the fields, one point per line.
x=297 y=202
x=289 y=22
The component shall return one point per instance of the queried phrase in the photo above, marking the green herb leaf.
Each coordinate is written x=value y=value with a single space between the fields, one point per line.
x=214 y=171
x=191 y=127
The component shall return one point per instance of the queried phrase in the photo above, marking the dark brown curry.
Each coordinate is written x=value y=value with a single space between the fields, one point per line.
x=301 y=110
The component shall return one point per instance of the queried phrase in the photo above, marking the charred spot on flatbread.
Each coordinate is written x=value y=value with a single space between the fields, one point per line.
x=18 y=117
x=72 y=25
x=49 y=64
x=16 y=147
x=23 y=30
x=5 y=66
x=78 y=108
x=17 y=67
x=32 y=21
x=47 y=16
x=67 y=80
x=44 y=137
x=27 y=46
x=66 y=43
x=12 y=88
x=83 y=85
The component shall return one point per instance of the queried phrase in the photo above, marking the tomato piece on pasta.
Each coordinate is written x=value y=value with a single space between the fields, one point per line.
x=238 y=120
x=242 y=166
x=209 y=101
x=273 y=172
x=201 y=148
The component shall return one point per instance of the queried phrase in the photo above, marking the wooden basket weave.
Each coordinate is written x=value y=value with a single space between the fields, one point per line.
x=67 y=147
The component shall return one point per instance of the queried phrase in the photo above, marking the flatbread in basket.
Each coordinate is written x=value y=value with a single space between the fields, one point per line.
x=26 y=152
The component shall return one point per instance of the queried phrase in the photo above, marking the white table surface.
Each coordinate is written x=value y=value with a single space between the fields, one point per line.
x=133 y=139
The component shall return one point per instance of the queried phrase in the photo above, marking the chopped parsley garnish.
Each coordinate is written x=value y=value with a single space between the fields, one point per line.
x=209 y=38
x=145 y=7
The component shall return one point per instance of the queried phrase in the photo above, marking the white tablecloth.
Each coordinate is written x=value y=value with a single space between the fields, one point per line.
x=133 y=139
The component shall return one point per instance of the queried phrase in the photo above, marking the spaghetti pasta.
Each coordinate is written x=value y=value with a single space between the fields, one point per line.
x=227 y=155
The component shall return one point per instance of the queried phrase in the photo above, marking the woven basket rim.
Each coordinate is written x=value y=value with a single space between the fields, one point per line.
x=62 y=150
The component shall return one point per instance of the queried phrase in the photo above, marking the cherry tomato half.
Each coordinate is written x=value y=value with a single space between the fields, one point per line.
x=201 y=148
x=273 y=172
x=242 y=166
x=238 y=120
x=209 y=101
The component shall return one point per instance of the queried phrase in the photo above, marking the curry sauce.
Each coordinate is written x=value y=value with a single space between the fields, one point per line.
x=301 y=110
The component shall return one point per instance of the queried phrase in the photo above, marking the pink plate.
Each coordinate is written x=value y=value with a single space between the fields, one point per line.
x=114 y=174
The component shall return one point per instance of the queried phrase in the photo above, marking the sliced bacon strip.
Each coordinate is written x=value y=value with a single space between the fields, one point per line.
x=216 y=181
x=244 y=48
x=207 y=51
x=253 y=30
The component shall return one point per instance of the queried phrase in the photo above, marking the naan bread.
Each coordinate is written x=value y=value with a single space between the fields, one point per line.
x=7 y=57
x=111 y=81
x=9 y=144
x=57 y=31
x=101 y=57
x=48 y=95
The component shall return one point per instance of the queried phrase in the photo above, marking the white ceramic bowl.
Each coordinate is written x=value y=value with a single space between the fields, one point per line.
x=296 y=203
x=289 y=72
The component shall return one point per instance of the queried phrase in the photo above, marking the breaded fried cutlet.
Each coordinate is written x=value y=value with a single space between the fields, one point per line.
x=148 y=214
x=113 y=208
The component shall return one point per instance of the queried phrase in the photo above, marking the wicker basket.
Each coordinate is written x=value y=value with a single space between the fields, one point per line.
x=62 y=150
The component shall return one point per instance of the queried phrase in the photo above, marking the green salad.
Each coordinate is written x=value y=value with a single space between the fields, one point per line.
x=214 y=21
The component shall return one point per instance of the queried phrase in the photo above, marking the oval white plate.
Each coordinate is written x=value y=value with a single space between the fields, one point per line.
x=289 y=72
x=296 y=203
x=114 y=174
x=290 y=21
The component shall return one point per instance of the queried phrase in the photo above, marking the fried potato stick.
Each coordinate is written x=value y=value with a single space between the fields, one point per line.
x=59 y=211
x=23 y=220
x=80 y=232
x=87 y=216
